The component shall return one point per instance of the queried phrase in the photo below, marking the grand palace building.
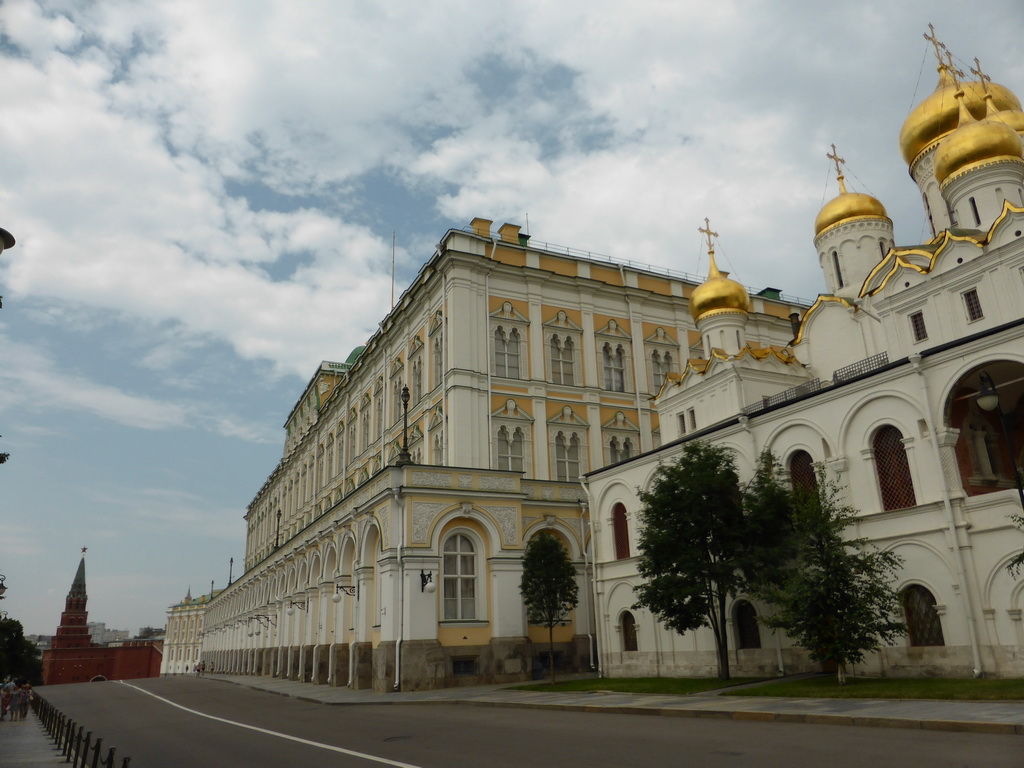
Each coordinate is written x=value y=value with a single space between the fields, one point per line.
x=545 y=386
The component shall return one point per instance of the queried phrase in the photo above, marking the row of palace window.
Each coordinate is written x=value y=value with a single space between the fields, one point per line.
x=511 y=450
x=563 y=357
x=972 y=307
x=924 y=626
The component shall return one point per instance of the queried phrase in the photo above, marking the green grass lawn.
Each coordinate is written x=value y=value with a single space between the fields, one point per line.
x=669 y=685
x=892 y=688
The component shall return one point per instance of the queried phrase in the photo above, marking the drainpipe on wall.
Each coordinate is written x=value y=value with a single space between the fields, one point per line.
x=396 y=494
x=947 y=504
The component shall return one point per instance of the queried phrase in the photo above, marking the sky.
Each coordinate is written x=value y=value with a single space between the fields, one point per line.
x=205 y=197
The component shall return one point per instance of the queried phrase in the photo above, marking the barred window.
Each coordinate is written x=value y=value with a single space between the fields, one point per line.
x=893 y=469
x=973 y=305
x=801 y=472
x=923 y=624
x=459 y=578
x=918 y=327
x=620 y=529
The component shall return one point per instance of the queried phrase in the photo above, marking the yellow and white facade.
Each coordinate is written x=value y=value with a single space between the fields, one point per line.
x=183 y=641
x=527 y=367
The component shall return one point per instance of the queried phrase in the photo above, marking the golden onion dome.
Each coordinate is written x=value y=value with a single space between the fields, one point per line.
x=1011 y=117
x=975 y=141
x=848 y=205
x=718 y=293
x=939 y=114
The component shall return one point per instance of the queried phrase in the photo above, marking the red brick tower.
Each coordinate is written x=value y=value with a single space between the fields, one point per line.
x=73 y=631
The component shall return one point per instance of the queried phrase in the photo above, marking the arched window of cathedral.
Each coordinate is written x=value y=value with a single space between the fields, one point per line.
x=892 y=469
x=657 y=371
x=628 y=626
x=620 y=529
x=923 y=624
x=801 y=472
x=839 y=272
x=614 y=367
x=748 y=633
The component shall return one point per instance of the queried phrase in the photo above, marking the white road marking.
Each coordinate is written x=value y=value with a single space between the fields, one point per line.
x=317 y=744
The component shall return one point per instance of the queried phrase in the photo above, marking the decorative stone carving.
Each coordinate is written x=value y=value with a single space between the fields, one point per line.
x=432 y=479
x=423 y=514
x=496 y=483
x=506 y=519
x=547 y=492
x=465 y=481
x=571 y=494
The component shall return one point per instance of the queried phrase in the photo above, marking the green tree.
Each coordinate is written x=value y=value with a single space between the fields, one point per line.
x=704 y=538
x=548 y=586
x=835 y=599
x=19 y=657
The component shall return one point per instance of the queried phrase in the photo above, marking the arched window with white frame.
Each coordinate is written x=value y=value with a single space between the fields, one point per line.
x=510 y=448
x=567 y=456
x=614 y=358
x=506 y=353
x=562 y=360
x=458 y=576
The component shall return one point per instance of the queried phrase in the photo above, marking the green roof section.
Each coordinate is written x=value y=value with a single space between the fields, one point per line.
x=354 y=355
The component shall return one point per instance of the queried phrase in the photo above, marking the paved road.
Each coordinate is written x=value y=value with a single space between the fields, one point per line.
x=248 y=729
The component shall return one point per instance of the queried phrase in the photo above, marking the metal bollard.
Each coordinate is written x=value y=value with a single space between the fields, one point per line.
x=96 y=754
x=84 y=749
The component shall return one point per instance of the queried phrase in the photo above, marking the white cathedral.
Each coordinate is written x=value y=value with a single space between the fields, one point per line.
x=905 y=381
x=518 y=387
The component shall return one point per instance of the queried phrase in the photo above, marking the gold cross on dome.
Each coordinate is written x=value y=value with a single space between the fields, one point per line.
x=839 y=161
x=976 y=70
x=706 y=231
x=939 y=47
x=955 y=73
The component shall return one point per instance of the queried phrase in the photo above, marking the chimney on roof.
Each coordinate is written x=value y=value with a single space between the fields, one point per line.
x=510 y=233
x=481 y=227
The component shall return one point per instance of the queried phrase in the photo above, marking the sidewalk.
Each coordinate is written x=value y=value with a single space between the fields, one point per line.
x=1005 y=717
x=25 y=744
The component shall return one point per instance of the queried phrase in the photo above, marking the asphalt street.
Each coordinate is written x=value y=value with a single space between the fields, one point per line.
x=184 y=722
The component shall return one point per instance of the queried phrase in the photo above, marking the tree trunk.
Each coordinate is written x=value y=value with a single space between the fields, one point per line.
x=551 y=651
x=841 y=673
x=722 y=641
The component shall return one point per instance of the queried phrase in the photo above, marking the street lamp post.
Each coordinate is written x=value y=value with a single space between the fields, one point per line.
x=403 y=456
x=277 y=533
x=3 y=586
x=988 y=400
x=6 y=241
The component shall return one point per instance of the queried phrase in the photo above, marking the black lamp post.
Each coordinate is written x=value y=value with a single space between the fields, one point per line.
x=403 y=456
x=3 y=586
x=988 y=400
x=277 y=532
x=231 y=569
x=6 y=241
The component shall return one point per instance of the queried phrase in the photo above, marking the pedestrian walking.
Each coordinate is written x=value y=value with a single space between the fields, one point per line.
x=23 y=697
x=6 y=694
